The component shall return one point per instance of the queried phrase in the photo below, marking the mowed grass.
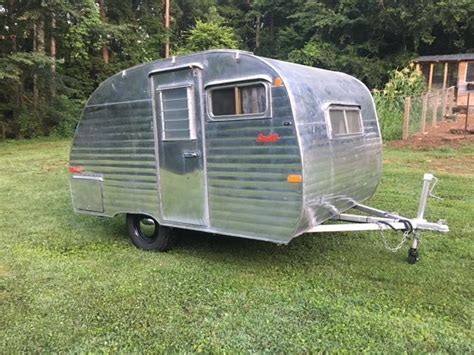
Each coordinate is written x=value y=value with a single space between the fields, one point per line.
x=75 y=283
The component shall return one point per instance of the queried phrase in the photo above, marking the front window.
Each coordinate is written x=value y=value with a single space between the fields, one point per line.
x=344 y=120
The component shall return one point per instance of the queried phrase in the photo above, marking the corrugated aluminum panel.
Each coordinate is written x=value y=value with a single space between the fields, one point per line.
x=117 y=142
x=248 y=189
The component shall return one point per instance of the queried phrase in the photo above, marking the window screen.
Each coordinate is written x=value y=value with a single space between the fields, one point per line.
x=337 y=122
x=452 y=74
x=353 y=121
x=238 y=100
x=438 y=76
x=177 y=115
x=470 y=71
x=345 y=120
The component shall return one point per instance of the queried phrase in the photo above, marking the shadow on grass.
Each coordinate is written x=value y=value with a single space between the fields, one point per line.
x=234 y=250
x=95 y=231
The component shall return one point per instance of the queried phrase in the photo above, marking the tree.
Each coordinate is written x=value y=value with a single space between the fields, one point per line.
x=209 y=35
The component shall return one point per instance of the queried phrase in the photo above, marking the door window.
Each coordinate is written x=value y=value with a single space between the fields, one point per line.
x=178 y=121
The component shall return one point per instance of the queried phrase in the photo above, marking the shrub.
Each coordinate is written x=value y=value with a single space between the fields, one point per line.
x=209 y=35
x=66 y=114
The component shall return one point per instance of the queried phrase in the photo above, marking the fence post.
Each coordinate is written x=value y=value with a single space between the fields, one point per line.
x=450 y=100
x=443 y=105
x=406 y=117
x=467 y=114
x=424 y=111
x=435 y=109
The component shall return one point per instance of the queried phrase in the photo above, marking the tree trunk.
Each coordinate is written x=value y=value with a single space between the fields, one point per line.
x=103 y=15
x=257 y=31
x=167 y=28
x=53 y=55
x=35 y=76
x=38 y=47
x=40 y=37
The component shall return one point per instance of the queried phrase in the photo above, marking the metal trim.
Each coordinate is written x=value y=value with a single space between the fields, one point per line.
x=157 y=152
x=202 y=112
x=89 y=177
x=171 y=87
x=191 y=112
x=116 y=103
x=184 y=66
x=266 y=78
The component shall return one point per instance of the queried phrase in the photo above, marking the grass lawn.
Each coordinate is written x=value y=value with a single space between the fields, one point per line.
x=75 y=283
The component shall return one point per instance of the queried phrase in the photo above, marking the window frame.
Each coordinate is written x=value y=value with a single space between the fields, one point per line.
x=343 y=107
x=467 y=68
x=267 y=113
x=191 y=112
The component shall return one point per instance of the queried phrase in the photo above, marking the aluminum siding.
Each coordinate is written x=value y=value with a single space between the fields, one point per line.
x=337 y=172
x=115 y=139
x=247 y=181
x=248 y=188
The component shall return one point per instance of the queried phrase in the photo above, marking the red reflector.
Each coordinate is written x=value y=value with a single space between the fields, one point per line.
x=75 y=169
x=271 y=138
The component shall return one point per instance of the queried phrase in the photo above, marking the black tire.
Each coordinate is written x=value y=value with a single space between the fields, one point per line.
x=159 y=238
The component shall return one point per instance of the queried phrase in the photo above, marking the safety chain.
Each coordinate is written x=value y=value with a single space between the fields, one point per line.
x=406 y=236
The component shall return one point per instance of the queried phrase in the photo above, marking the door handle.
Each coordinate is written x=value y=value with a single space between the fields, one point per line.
x=190 y=154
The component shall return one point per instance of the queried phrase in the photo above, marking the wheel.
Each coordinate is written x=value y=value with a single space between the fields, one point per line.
x=147 y=234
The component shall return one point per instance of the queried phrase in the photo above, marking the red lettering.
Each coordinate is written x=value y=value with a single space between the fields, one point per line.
x=271 y=138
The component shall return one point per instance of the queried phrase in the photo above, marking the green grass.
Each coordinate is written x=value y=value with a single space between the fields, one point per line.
x=75 y=283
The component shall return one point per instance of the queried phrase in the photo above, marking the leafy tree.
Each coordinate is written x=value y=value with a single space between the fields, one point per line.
x=209 y=35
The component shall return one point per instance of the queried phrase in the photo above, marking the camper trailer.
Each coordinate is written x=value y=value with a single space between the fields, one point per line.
x=231 y=143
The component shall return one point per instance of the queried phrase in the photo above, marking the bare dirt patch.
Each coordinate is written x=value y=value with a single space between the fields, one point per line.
x=440 y=136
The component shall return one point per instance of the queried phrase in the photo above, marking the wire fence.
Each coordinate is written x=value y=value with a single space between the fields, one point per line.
x=426 y=110
x=3 y=130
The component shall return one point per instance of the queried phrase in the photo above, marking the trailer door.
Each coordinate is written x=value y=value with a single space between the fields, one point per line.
x=177 y=111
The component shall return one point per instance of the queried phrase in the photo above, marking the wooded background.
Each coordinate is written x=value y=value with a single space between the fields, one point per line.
x=54 y=53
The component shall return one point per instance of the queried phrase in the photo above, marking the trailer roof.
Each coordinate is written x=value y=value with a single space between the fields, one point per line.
x=445 y=58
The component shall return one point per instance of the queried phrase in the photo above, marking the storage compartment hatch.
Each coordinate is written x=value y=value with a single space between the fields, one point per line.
x=87 y=193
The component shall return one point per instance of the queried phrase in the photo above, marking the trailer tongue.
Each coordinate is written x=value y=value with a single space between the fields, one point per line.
x=376 y=219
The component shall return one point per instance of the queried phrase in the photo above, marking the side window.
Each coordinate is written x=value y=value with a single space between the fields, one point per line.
x=241 y=100
x=344 y=120
x=177 y=113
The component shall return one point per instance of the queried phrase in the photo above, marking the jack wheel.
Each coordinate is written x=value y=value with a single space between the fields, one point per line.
x=413 y=256
x=147 y=234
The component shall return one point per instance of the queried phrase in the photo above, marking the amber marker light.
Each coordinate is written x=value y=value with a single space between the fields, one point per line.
x=294 y=179
x=278 y=82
